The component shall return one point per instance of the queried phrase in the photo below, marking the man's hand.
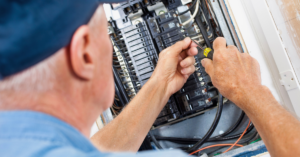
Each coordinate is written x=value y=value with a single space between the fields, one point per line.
x=235 y=74
x=175 y=65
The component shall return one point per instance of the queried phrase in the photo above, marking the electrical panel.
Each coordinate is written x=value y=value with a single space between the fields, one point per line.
x=144 y=29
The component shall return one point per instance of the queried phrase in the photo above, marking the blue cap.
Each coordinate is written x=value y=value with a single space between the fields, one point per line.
x=32 y=30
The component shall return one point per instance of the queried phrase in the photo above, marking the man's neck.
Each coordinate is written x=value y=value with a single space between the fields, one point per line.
x=48 y=103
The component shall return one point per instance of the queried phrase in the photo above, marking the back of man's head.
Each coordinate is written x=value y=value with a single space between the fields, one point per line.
x=65 y=75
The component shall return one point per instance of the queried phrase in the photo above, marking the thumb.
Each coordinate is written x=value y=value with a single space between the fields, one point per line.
x=208 y=65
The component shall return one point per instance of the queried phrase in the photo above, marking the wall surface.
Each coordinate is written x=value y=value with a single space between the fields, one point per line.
x=286 y=14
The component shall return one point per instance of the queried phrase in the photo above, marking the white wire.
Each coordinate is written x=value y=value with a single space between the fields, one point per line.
x=193 y=16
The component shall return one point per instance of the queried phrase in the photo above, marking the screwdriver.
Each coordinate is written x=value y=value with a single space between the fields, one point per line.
x=205 y=53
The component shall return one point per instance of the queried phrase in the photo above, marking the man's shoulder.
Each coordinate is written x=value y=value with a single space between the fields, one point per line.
x=31 y=134
x=37 y=134
x=40 y=148
x=44 y=148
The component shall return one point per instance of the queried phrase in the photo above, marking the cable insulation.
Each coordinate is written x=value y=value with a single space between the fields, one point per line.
x=189 y=9
x=213 y=126
x=155 y=141
x=239 y=138
x=194 y=14
x=216 y=145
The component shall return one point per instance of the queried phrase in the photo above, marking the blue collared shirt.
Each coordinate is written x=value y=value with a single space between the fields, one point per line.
x=34 y=134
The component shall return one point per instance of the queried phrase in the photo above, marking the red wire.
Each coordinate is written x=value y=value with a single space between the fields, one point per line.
x=216 y=145
x=239 y=137
x=232 y=145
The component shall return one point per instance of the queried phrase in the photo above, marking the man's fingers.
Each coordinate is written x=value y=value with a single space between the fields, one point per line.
x=177 y=48
x=232 y=48
x=193 y=44
x=183 y=54
x=192 y=51
x=187 y=62
x=208 y=65
x=189 y=52
x=188 y=71
x=219 y=43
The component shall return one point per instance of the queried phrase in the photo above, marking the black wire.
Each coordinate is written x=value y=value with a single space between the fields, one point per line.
x=212 y=128
x=233 y=127
x=234 y=136
x=251 y=138
x=202 y=29
x=119 y=86
x=206 y=14
x=245 y=142
x=154 y=140
x=197 y=44
x=193 y=140
x=189 y=9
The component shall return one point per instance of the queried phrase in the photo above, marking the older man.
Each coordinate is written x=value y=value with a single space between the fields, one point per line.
x=57 y=78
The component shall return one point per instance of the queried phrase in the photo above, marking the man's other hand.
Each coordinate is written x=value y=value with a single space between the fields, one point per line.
x=235 y=74
x=175 y=65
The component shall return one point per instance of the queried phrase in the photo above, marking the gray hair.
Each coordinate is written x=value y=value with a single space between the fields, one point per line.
x=37 y=78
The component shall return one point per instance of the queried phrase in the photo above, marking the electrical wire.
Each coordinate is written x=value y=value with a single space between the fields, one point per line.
x=233 y=127
x=246 y=142
x=212 y=139
x=194 y=140
x=194 y=14
x=216 y=145
x=239 y=138
x=189 y=9
x=235 y=136
x=193 y=35
x=208 y=9
x=202 y=29
x=212 y=128
x=198 y=45
x=232 y=145
x=154 y=140
x=251 y=138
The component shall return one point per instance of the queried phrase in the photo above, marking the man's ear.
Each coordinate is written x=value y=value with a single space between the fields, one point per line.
x=80 y=56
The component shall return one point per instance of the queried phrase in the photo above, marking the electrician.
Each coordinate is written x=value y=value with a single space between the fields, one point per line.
x=56 y=79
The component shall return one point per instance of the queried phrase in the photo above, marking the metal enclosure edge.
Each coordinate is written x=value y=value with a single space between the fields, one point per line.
x=287 y=73
x=257 y=28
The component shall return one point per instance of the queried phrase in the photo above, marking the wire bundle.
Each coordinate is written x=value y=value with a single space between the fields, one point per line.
x=189 y=9
x=212 y=128
x=231 y=145
x=127 y=77
x=194 y=14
